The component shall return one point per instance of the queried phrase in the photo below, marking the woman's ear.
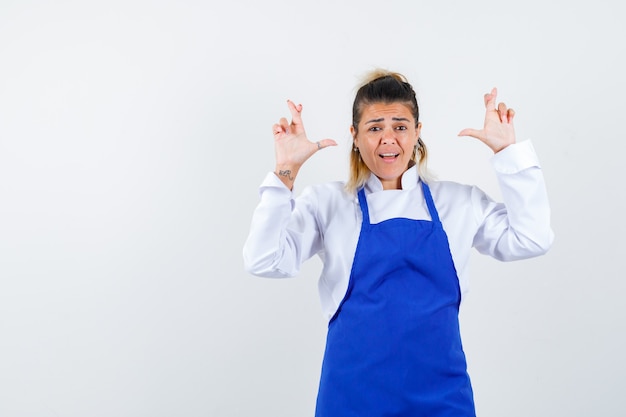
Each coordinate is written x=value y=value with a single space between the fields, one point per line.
x=353 y=133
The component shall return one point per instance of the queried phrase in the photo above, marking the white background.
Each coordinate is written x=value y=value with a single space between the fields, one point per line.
x=134 y=135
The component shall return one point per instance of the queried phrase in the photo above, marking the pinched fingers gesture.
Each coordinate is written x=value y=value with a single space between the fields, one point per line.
x=498 y=131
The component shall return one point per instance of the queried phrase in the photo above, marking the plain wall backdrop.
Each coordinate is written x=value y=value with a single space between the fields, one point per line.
x=134 y=135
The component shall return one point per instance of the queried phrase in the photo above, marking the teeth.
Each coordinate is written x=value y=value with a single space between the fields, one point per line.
x=388 y=154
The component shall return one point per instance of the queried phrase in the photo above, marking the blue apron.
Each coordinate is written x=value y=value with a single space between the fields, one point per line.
x=393 y=347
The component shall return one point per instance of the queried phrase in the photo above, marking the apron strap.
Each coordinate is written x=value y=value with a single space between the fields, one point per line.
x=430 y=203
x=363 y=204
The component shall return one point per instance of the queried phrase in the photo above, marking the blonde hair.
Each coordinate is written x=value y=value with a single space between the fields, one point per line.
x=382 y=86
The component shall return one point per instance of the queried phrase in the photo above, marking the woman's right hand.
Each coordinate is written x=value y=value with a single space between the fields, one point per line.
x=291 y=145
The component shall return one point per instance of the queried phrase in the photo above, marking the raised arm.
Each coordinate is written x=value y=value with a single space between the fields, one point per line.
x=519 y=227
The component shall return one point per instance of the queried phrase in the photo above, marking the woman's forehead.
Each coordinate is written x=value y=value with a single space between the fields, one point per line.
x=386 y=111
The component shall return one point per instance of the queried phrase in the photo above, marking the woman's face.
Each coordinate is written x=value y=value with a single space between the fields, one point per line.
x=386 y=139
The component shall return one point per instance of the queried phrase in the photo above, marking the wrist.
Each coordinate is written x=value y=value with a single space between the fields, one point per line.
x=287 y=174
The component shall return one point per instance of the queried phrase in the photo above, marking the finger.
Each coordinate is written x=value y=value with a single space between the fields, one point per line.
x=470 y=132
x=510 y=115
x=284 y=125
x=502 y=112
x=324 y=143
x=490 y=99
x=277 y=129
x=295 y=110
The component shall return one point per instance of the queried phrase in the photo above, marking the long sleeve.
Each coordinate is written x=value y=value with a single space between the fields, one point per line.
x=282 y=235
x=519 y=227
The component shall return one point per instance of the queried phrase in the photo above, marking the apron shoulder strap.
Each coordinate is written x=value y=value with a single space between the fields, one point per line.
x=363 y=204
x=430 y=203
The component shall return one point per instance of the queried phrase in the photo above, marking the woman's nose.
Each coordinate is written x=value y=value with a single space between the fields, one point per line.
x=388 y=136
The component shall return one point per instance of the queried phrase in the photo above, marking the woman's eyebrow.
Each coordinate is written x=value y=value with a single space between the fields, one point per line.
x=395 y=119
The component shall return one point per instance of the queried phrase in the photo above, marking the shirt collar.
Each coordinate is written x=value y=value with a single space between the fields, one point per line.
x=409 y=181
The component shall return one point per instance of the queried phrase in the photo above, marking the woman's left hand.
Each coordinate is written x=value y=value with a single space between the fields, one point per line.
x=498 y=132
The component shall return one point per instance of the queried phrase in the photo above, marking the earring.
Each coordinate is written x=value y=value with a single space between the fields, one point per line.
x=355 y=149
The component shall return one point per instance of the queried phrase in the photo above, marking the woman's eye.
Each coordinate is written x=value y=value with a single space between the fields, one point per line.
x=400 y=127
x=374 y=129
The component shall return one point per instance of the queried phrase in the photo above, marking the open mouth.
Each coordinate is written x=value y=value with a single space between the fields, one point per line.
x=388 y=155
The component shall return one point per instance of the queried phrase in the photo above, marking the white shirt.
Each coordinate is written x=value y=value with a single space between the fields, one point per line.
x=325 y=220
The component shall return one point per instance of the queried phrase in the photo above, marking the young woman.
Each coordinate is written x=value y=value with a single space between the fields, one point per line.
x=395 y=247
